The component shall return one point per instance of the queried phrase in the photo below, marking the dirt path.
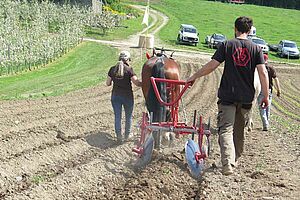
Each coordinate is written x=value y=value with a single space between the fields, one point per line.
x=64 y=148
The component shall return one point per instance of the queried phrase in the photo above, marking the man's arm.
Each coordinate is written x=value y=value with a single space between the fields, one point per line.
x=206 y=69
x=277 y=86
x=264 y=82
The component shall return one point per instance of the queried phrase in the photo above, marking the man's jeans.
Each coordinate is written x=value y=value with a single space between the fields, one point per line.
x=231 y=123
x=127 y=103
x=264 y=113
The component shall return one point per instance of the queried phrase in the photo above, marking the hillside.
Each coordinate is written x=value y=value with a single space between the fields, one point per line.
x=272 y=24
x=64 y=147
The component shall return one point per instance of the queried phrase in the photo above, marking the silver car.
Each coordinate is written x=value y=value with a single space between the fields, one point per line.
x=287 y=48
x=261 y=43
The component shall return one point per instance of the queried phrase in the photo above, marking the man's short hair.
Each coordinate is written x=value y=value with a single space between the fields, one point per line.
x=243 y=24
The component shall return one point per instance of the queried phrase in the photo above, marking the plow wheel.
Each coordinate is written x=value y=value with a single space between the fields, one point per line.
x=195 y=166
x=146 y=155
x=146 y=143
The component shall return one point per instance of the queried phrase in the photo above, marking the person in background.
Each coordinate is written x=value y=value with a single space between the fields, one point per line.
x=265 y=113
x=122 y=75
x=236 y=91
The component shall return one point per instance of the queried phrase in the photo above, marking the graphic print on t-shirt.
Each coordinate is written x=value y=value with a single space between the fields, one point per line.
x=241 y=57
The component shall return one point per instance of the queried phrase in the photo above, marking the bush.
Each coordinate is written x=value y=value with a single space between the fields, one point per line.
x=122 y=8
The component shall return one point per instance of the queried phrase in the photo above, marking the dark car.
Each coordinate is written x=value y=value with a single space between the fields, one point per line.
x=215 y=40
x=273 y=47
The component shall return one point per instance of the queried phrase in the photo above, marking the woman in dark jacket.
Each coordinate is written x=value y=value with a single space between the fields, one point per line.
x=122 y=75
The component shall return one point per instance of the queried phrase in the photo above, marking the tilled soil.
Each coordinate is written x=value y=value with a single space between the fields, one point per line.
x=64 y=148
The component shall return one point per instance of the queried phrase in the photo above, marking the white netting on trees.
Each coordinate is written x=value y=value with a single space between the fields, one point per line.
x=33 y=34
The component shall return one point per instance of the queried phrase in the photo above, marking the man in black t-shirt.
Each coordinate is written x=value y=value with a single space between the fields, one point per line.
x=236 y=91
x=265 y=113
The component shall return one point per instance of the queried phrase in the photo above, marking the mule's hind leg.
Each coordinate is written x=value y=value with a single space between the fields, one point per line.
x=165 y=138
x=156 y=136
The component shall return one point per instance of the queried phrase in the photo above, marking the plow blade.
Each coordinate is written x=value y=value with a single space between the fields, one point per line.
x=195 y=167
x=146 y=155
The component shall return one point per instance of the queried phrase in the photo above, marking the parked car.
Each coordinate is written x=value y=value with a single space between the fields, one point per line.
x=188 y=34
x=234 y=1
x=207 y=38
x=262 y=43
x=215 y=40
x=252 y=32
x=287 y=48
x=273 y=47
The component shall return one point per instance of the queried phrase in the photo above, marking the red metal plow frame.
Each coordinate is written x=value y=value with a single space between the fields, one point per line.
x=179 y=128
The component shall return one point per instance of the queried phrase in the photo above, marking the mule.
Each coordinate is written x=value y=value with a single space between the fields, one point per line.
x=257 y=86
x=159 y=65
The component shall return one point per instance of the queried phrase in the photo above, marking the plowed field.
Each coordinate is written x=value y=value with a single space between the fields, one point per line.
x=64 y=148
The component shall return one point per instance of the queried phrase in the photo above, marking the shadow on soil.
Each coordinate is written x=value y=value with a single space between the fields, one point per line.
x=101 y=140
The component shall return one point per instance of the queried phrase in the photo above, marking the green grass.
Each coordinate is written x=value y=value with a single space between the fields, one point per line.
x=272 y=24
x=85 y=65
x=37 y=179
x=127 y=28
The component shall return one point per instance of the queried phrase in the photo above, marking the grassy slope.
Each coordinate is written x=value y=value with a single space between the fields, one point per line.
x=134 y=26
x=272 y=24
x=85 y=65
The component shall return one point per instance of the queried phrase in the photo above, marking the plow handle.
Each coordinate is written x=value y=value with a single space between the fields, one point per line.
x=173 y=82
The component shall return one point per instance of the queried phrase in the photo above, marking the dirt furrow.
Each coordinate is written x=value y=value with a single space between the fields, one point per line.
x=166 y=165
x=203 y=96
x=66 y=122
x=17 y=144
x=261 y=172
x=64 y=148
x=30 y=164
x=287 y=108
x=84 y=176
x=288 y=89
x=70 y=99
x=163 y=177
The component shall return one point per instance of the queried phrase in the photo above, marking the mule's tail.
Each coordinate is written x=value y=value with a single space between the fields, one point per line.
x=153 y=105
